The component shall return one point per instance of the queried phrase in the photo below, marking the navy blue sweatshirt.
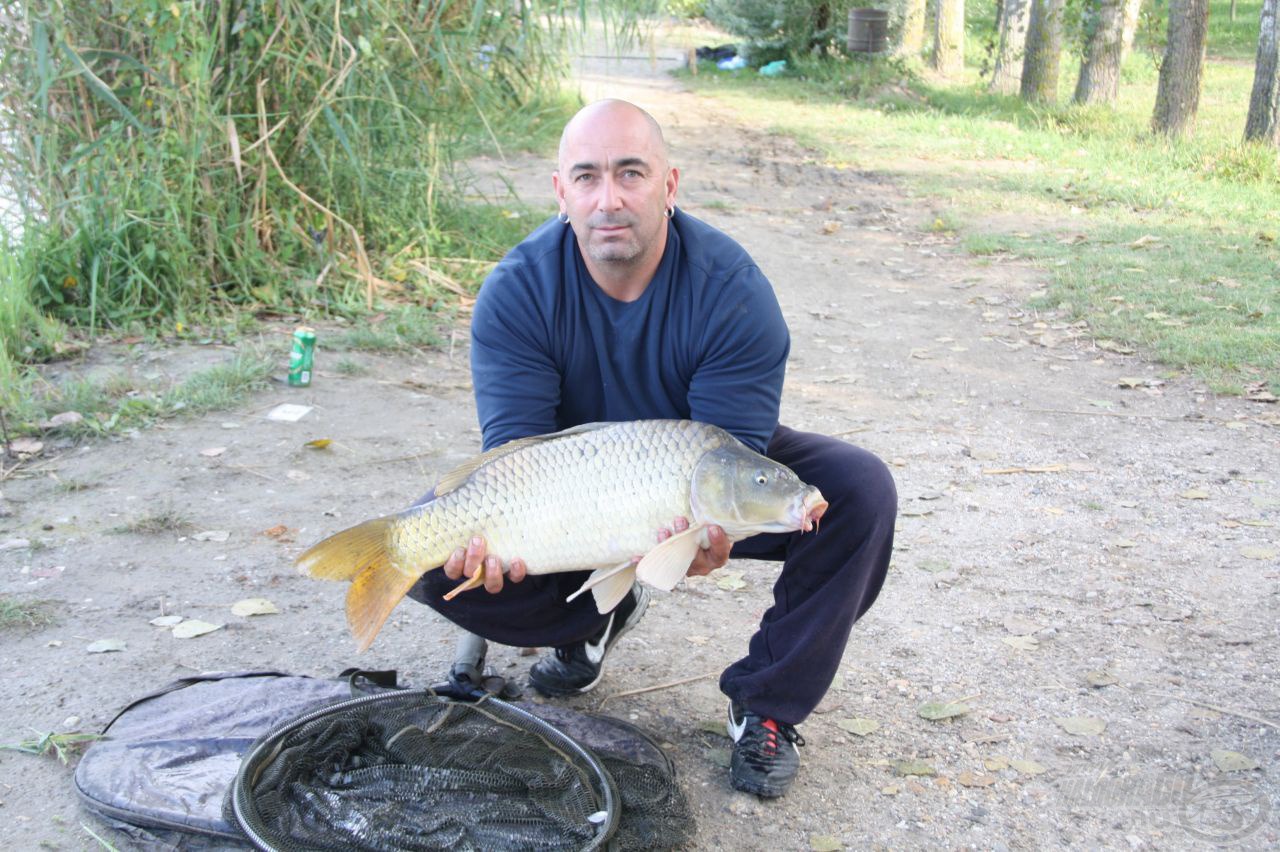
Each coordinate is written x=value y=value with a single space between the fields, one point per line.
x=550 y=349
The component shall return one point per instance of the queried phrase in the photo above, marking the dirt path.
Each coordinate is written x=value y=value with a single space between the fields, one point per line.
x=1065 y=511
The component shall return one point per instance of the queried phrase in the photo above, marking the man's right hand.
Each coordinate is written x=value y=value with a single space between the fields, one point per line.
x=464 y=562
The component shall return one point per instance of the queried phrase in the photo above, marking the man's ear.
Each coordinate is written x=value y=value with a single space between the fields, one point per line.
x=673 y=181
x=559 y=188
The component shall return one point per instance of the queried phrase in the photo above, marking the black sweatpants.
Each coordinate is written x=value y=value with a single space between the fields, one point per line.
x=829 y=579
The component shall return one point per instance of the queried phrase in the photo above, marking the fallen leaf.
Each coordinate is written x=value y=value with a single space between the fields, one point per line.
x=935 y=711
x=1028 y=767
x=66 y=418
x=970 y=779
x=890 y=790
x=1099 y=679
x=934 y=566
x=712 y=726
x=194 y=627
x=1020 y=626
x=213 y=452
x=1144 y=241
x=913 y=767
x=858 y=726
x=1258 y=553
x=278 y=532
x=1112 y=346
x=1082 y=726
x=254 y=606
x=730 y=581
x=697 y=640
x=103 y=646
x=1022 y=643
x=25 y=446
x=212 y=535
x=318 y=443
x=995 y=764
x=1233 y=761
x=166 y=621
x=825 y=843
x=1194 y=494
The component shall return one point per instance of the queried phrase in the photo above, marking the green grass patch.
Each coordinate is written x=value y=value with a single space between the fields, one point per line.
x=165 y=519
x=21 y=613
x=408 y=327
x=350 y=367
x=1168 y=246
x=60 y=745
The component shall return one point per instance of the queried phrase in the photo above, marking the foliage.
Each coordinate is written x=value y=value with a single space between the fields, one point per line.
x=685 y=8
x=784 y=29
x=1173 y=247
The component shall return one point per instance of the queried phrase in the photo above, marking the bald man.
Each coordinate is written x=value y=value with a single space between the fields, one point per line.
x=624 y=308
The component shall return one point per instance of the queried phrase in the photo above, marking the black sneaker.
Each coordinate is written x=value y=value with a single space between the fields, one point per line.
x=577 y=668
x=765 y=754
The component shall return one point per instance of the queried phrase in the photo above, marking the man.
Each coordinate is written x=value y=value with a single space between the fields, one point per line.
x=624 y=308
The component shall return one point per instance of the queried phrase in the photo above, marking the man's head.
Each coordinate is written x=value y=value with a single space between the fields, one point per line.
x=614 y=183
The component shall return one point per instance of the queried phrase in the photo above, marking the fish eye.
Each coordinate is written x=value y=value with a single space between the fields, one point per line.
x=761 y=479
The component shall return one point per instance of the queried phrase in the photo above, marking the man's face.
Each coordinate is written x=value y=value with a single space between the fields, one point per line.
x=615 y=186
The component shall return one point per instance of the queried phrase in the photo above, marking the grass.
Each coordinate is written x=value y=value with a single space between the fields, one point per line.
x=350 y=367
x=61 y=745
x=404 y=328
x=165 y=519
x=19 y=613
x=1168 y=246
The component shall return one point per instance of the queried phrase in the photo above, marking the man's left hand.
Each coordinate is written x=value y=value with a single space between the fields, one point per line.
x=708 y=558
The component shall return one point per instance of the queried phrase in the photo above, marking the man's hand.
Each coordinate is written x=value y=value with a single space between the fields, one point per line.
x=465 y=562
x=708 y=558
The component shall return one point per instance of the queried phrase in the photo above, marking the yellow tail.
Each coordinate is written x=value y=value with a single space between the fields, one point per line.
x=360 y=555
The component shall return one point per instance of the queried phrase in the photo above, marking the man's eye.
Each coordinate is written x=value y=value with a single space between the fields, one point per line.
x=632 y=173
x=583 y=178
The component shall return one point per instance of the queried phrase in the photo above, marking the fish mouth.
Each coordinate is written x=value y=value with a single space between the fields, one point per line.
x=812 y=507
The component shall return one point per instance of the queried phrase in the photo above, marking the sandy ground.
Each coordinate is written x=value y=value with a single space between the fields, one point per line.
x=1067 y=513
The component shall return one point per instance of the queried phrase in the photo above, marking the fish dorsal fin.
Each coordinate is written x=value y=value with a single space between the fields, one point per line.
x=462 y=472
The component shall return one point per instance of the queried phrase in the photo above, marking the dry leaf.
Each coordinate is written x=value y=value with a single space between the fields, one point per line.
x=1027 y=767
x=995 y=764
x=1144 y=241
x=103 y=646
x=318 y=443
x=825 y=843
x=194 y=627
x=730 y=581
x=25 y=446
x=1194 y=494
x=712 y=726
x=858 y=726
x=1233 y=761
x=278 y=532
x=254 y=606
x=913 y=767
x=1258 y=553
x=212 y=535
x=937 y=710
x=66 y=418
x=166 y=621
x=1099 y=679
x=1022 y=643
x=697 y=640
x=970 y=779
x=1112 y=346
x=1082 y=726
x=213 y=452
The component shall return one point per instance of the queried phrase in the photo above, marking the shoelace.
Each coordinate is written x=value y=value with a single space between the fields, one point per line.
x=771 y=731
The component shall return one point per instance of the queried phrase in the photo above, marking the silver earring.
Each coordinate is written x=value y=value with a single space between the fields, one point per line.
x=563 y=217
x=670 y=211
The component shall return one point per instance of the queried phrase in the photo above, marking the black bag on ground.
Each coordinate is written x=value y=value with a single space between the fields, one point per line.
x=355 y=763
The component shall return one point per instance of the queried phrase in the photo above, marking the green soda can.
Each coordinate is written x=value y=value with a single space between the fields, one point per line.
x=304 y=347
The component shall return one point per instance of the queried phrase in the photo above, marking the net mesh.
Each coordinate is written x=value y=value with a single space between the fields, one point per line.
x=418 y=772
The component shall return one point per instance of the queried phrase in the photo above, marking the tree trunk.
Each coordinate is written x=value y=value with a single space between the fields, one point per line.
x=1132 y=11
x=1013 y=38
x=1043 y=52
x=1099 y=81
x=912 y=28
x=1181 y=70
x=1263 y=124
x=948 y=38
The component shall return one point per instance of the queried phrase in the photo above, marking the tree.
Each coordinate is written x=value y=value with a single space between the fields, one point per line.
x=1043 y=51
x=1182 y=69
x=1132 y=10
x=948 y=38
x=1007 y=75
x=1263 y=123
x=913 y=28
x=1099 y=81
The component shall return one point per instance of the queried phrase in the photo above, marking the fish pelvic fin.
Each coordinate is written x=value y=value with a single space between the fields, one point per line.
x=603 y=590
x=665 y=565
x=343 y=555
x=373 y=594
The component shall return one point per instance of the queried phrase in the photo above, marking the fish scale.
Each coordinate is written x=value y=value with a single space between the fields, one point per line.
x=589 y=498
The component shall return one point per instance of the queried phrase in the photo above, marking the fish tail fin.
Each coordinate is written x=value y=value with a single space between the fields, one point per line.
x=359 y=554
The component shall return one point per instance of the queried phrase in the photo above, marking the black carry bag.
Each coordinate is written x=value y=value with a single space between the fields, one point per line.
x=287 y=762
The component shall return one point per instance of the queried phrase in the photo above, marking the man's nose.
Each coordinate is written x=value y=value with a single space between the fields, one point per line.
x=609 y=198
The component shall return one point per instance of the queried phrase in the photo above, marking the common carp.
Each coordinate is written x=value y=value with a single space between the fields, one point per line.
x=589 y=498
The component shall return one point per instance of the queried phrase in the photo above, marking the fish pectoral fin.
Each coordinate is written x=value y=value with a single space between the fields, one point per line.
x=599 y=575
x=474 y=581
x=665 y=565
x=373 y=594
x=609 y=591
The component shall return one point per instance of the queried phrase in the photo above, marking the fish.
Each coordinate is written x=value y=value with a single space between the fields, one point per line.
x=591 y=497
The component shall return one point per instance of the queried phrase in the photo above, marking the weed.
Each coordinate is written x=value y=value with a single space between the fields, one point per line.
x=16 y=613
x=165 y=519
x=61 y=745
x=406 y=328
x=350 y=367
